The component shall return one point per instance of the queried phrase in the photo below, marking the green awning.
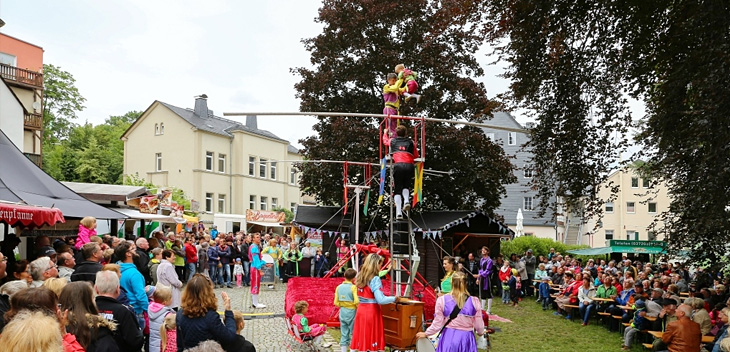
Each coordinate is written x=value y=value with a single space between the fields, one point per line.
x=618 y=249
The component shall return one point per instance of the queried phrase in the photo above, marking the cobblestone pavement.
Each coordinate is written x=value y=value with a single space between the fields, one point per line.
x=267 y=330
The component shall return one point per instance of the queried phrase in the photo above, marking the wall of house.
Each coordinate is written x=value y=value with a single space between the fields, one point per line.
x=29 y=56
x=11 y=116
x=621 y=220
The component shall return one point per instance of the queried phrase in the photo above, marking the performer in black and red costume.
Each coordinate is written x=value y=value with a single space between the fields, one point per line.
x=404 y=152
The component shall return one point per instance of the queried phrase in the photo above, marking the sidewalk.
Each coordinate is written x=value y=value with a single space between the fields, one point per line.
x=267 y=329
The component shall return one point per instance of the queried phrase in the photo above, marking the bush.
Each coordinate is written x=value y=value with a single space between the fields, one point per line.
x=539 y=246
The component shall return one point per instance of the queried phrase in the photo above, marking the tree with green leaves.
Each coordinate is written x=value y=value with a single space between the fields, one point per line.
x=61 y=102
x=361 y=42
x=574 y=65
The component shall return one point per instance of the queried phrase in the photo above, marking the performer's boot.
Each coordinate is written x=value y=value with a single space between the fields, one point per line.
x=489 y=306
x=255 y=302
x=398 y=212
x=345 y=349
x=410 y=96
x=484 y=303
x=406 y=202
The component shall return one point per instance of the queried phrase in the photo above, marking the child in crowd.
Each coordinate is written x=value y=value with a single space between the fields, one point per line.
x=346 y=299
x=168 y=334
x=238 y=272
x=320 y=263
x=158 y=310
x=87 y=229
x=504 y=274
x=239 y=344
x=409 y=78
x=544 y=290
x=640 y=323
x=154 y=263
x=301 y=323
x=514 y=288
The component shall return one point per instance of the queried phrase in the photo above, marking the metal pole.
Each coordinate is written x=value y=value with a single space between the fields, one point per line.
x=356 y=114
x=358 y=190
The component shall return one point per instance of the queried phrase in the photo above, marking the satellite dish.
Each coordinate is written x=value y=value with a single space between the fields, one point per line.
x=36 y=105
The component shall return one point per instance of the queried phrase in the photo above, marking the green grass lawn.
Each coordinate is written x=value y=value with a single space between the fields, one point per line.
x=533 y=329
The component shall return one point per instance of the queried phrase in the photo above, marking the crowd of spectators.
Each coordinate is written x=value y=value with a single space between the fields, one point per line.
x=114 y=294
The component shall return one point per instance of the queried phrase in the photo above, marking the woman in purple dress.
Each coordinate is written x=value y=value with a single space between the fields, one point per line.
x=457 y=316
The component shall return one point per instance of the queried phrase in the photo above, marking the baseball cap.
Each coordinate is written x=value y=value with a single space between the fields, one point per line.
x=46 y=251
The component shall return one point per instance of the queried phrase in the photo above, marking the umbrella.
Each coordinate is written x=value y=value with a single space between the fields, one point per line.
x=15 y=214
x=519 y=229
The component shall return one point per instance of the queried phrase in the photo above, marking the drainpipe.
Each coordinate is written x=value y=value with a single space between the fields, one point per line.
x=230 y=176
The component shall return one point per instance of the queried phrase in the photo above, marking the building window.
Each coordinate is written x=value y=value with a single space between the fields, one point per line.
x=527 y=171
x=274 y=203
x=609 y=207
x=264 y=203
x=645 y=183
x=490 y=136
x=158 y=162
x=293 y=207
x=221 y=162
x=630 y=207
x=251 y=166
x=252 y=202
x=209 y=202
x=272 y=170
x=527 y=203
x=609 y=234
x=293 y=176
x=7 y=59
x=632 y=233
x=221 y=203
x=634 y=182
x=162 y=128
x=512 y=138
x=262 y=168
x=209 y=161
x=652 y=207
x=157 y=129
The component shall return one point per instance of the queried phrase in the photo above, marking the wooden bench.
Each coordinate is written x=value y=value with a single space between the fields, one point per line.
x=648 y=346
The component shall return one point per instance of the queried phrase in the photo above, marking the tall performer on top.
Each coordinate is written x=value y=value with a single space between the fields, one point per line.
x=486 y=268
x=254 y=254
x=392 y=92
x=404 y=153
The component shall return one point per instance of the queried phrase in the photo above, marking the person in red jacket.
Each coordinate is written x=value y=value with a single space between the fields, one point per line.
x=191 y=257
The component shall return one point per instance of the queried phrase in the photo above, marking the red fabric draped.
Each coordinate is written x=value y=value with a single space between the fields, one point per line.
x=320 y=294
x=14 y=214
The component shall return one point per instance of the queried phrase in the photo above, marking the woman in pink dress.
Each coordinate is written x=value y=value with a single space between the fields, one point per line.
x=457 y=334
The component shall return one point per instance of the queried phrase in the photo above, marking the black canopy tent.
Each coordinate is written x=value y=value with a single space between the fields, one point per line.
x=21 y=181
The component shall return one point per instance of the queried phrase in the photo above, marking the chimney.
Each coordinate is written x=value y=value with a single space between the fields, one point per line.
x=201 y=106
x=251 y=122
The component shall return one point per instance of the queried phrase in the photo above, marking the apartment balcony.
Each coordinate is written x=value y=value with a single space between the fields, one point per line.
x=21 y=77
x=33 y=121
x=35 y=158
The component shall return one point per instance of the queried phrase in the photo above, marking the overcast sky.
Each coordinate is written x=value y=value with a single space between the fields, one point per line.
x=126 y=54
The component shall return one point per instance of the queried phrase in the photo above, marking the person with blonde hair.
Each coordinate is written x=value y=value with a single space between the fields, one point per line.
x=168 y=334
x=368 y=333
x=159 y=309
x=55 y=284
x=301 y=323
x=87 y=230
x=32 y=331
x=456 y=317
x=198 y=319
x=240 y=344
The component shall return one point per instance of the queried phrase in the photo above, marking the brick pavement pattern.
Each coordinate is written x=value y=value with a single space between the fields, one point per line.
x=268 y=332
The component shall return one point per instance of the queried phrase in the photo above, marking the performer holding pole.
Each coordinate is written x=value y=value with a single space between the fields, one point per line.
x=391 y=97
x=254 y=253
x=486 y=267
x=404 y=153
x=368 y=333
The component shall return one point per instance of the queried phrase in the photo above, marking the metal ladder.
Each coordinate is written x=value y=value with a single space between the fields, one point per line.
x=404 y=254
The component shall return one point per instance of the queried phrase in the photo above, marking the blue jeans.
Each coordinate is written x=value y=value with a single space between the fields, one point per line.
x=246 y=273
x=140 y=320
x=191 y=270
x=545 y=302
x=226 y=268
x=585 y=311
x=505 y=295
x=213 y=268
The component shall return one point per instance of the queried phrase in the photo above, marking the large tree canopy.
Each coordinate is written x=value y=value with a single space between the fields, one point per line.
x=362 y=41
x=573 y=64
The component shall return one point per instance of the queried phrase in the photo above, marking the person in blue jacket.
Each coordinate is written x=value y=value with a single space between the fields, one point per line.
x=132 y=281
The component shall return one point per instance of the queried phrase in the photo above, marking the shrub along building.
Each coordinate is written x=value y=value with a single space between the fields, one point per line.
x=224 y=166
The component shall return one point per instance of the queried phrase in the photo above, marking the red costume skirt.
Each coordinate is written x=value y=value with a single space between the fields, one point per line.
x=368 y=333
x=255 y=281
